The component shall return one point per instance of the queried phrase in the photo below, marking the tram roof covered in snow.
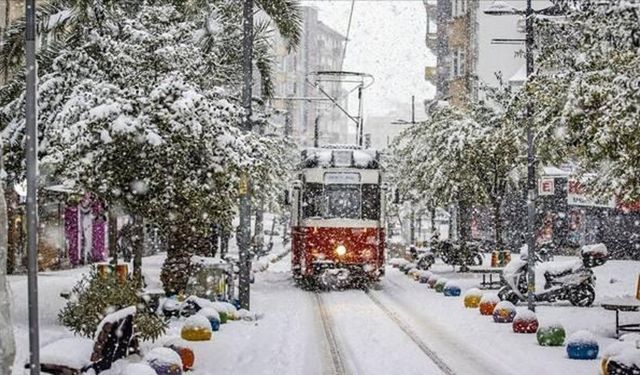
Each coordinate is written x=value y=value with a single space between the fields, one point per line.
x=340 y=157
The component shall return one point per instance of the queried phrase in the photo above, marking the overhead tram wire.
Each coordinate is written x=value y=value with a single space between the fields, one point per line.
x=346 y=38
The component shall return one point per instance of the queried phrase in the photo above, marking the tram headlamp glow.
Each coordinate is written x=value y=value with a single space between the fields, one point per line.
x=341 y=250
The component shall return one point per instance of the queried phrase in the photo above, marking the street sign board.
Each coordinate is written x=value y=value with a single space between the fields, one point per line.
x=546 y=186
x=576 y=196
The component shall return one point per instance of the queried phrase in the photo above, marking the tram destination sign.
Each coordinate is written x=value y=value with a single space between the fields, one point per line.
x=341 y=178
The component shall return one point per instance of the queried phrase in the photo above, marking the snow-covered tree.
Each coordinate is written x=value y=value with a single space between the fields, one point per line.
x=588 y=88
x=142 y=111
x=433 y=159
x=465 y=155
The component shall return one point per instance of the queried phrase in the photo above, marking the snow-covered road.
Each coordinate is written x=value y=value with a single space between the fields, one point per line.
x=400 y=326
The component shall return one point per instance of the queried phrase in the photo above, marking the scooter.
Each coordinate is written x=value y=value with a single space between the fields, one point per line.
x=574 y=282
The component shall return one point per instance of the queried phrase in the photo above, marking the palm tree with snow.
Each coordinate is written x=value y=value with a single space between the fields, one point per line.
x=62 y=23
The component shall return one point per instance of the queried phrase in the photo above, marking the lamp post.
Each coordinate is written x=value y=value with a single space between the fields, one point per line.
x=500 y=8
x=244 y=234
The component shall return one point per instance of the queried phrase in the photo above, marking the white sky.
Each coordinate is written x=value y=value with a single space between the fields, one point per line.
x=387 y=41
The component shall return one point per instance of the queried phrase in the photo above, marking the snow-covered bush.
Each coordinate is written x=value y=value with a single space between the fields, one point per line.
x=94 y=297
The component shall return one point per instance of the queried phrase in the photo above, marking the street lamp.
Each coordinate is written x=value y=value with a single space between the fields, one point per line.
x=244 y=235
x=499 y=8
x=31 y=145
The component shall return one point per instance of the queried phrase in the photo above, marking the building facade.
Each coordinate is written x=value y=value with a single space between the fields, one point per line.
x=320 y=49
x=473 y=48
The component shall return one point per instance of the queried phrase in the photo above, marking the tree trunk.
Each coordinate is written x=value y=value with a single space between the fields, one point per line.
x=412 y=227
x=215 y=239
x=435 y=233
x=259 y=228
x=7 y=344
x=137 y=242
x=13 y=236
x=112 y=235
x=497 y=220
x=176 y=268
x=464 y=220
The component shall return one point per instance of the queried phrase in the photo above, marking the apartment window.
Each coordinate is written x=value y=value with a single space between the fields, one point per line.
x=458 y=62
x=459 y=8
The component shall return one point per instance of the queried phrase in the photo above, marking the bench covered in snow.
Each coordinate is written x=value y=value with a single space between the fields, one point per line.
x=114 y=337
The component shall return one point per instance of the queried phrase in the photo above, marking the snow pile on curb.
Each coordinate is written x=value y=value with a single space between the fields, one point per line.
x=582 y=337
x=490 y=298
x=197 y=322
x=209 y=313
x=524 y=314
x=163 y=357
x=138 y=369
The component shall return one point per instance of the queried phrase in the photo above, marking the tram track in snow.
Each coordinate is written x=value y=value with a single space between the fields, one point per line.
x=333 y=342
x=334 y=350
x=410 y=333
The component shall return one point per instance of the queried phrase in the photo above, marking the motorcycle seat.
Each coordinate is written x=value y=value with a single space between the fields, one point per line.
x=563 y=269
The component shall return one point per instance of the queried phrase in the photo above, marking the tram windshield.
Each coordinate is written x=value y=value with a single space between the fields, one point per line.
x=348 y=201
x=342 y=201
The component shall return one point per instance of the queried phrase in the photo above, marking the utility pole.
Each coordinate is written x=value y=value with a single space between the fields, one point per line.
x=532 y=187
x=531 y=167
x=244 y=234
x=31 y=116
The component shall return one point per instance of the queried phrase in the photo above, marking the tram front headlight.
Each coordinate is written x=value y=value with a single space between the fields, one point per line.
x=341 y=250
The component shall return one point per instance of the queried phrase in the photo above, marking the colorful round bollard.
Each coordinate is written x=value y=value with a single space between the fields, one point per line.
x=620 y=358
x=196 y=328
x=472 y=298
x=504 y=312
x=413 y=273
x=625 y=363
x=432 y=281
x=226 y=310
x=525 y=321
x=488 y=303
x=451 y=289
x=408 y=268
x=213 y=316
x=439 y=287
x=424 y=277
x=164 y=361
x=582 y=345
x=186 y=355
x=551 y=335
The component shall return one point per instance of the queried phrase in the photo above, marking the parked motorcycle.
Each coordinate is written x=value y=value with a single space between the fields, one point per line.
x=547 y=251
x=574 y=282
x=423 y=258
x=458 y=254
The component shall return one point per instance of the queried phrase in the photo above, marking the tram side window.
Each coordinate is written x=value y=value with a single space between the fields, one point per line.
x=370 y=202
x=312 y=202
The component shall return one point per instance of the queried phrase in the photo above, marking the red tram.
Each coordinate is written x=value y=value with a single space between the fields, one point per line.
x=337 y=217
